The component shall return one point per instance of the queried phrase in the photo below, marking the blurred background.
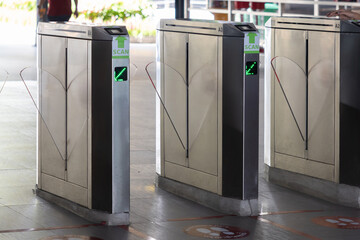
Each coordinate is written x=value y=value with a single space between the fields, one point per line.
x=18 y=19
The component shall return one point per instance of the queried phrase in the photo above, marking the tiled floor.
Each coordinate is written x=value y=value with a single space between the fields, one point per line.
x=155 y=214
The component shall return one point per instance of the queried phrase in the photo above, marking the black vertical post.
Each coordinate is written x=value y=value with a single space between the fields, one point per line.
x=66 y=107
x=179 y=9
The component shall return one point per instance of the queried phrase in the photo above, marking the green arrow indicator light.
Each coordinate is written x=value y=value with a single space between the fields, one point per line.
x=252 y=37
x=120 y=74
x=121 y=41
x=251 y=68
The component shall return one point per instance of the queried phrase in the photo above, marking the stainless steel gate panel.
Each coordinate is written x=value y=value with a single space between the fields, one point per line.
x=208 y=75
x=52 y=125
x=330 y=58
x=54 y=57
x=322 y=97
x=174 y=97
x=84 y=98
x=65 y=189
x=77 y=112
x=290 y=117
x=55 y=164
x=203 y=124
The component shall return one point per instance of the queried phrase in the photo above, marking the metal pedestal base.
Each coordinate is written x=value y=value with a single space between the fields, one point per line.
x=329 y=191
x=88 y=214
x=208 y=199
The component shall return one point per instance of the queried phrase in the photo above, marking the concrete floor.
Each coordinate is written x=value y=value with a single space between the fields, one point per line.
x=155 y=214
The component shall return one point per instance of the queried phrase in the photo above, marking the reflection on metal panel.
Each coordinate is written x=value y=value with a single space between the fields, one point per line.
x=65 y=189
x=203 y=103
x=291 y=98
x=53 y=57
x=304 y=166
x=53 y=110
x=174 y=96
x=77 y=115
x=290 y=71
x=191 y=176
x=321 y=96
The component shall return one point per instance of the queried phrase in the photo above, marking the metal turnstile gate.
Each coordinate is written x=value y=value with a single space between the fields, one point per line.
x=313 y=80
x=83 y=123
x=207 y=117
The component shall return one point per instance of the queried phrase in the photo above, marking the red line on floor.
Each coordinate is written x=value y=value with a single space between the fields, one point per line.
x=137 y=233
x=49 y=228
x=289 y=212
x=198 y=218
x=288 y=229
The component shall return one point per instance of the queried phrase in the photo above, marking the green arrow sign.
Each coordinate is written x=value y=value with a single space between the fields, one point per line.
x=252 y=37
x=121 y=41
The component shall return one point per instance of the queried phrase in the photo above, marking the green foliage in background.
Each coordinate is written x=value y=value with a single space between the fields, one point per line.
x=26 y=5
x=145 y=33
x=131 y=14
x=115 y=11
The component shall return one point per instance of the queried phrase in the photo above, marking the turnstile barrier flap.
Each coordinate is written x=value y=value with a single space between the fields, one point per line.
x=4 y=75
x=175 y=80
x=291 y=84
x=47 y=111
